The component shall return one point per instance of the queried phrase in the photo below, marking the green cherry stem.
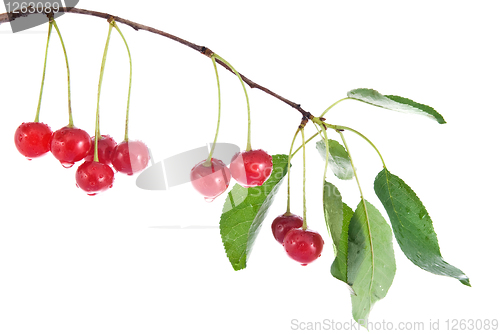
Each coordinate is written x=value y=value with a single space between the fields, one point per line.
x=307 y=141
x=304 y=225
x=113 y=23
x=249 y=144
x=37 y=116
x=352 y=162
x=327 y=148
x=360 y=192
x=103 y=63
x=67 y=68
x=288 y=171
x=333 y=105
x=341 y=127
x=208 y=163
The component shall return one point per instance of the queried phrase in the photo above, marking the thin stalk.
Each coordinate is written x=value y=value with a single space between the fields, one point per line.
x=37 y=116
x=113 y=23
x=341 y=127
x=288 y=171
x=304 y=225
x=103 y=63
x=327 y=147
x=318 y=131
x=67 y=68
x=208 y=163
x=363 y=200
x=333 y=105
x=249 y=144
x=327 y=156
x=307 y=141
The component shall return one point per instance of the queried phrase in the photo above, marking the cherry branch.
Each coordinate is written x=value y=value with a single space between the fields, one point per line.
x=8 y=17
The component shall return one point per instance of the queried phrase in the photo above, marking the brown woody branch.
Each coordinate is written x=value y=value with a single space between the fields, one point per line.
x=8 y=17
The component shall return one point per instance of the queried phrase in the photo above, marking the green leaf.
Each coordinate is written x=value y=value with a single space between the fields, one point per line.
x=244 y=211
x=393 y=102
x=333 y=210
x=412 y=226
x=371 y=264
x=338 y=159
x=339 y=265
x=337 y=217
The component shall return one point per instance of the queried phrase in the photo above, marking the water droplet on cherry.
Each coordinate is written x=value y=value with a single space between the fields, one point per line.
x=67 y=164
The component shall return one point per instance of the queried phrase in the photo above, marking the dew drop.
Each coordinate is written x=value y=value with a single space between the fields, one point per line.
x=209 y=199
x=93 y=194
x=29 y=159
x=67 y=164
x=77 y=185
x=303 y=264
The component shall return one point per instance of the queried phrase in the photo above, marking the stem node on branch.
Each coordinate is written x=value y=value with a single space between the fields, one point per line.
x=207 y=52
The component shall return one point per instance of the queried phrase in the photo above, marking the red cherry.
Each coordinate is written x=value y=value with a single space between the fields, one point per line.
x=251 y=168
x=303 y=246
x=284 y=223
x=130 y=157
x=210 y=181
x=94 y=177
x=105 y=146
x=69 y=145
x=32 y=139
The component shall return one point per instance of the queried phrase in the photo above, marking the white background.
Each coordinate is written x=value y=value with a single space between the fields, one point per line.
x=112 y=263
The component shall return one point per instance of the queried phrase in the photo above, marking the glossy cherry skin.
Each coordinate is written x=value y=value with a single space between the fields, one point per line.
x=251 y=168
x=94 y=177
x=303 y=246
x=105 y=146
x=32 y=139
x=69 y=145
x=130 y=157
x=210 y=181
x=284 y=223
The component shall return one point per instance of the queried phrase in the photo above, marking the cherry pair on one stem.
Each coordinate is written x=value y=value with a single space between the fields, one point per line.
x=129 y=157
x=250 y=168
x=34 y=139
x=300 y=243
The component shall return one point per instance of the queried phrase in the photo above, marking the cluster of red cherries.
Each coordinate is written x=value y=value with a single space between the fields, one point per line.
x=250 y=169
x=70 y=145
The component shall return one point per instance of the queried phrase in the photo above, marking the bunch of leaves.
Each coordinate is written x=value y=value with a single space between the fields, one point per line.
x=361 y=238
